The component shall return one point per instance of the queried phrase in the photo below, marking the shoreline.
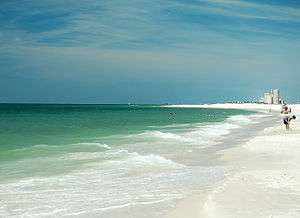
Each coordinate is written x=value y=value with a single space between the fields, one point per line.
x=243 y=106
x=149 y=173
x=264 y=181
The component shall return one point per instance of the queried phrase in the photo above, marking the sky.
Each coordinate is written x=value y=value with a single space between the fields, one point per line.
x=148 y=51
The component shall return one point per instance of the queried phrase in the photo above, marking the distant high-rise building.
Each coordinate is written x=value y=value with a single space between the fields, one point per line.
x=269 y=98
x=276 y=96
x=266 y=96
x=273 y=97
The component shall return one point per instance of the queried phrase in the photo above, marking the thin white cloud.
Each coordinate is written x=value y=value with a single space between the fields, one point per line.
x=141 y=39
x=146 y=24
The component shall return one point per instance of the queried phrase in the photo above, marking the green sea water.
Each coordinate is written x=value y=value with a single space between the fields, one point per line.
x=25 y=125
x=104 y=160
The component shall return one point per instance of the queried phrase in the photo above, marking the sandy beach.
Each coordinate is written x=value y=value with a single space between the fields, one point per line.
x=149 y=109
x=165 y=162
x=264 y=180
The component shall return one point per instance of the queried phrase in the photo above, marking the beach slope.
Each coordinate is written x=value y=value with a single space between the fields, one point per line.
x=265 y=178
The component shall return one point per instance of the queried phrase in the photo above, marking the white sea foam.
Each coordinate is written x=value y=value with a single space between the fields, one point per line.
x=217 y=130
x=151 y=160
x=111 y=180
x=240 y=119
x=51 y=147
x=38 y=146
x=210 y=134
x=247 y=119
x=205 y=134
x=100 y=145
x=99 y=192
x=42 y=146
x=133 y=162
x=200 y=135
x=164 y=135
x=171 y=126
x=79 y=156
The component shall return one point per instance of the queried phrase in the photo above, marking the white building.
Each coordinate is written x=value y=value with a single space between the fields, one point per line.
x=268 y=98
x=272 y=97
x=276 y=96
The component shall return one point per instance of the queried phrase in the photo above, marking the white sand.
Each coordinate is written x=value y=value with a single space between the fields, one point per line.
x=266 y=176
x=250 y=106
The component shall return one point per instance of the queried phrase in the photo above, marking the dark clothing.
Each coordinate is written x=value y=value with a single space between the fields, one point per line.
x=286 y=120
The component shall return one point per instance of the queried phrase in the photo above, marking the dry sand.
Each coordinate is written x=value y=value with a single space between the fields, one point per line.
x=265 y=181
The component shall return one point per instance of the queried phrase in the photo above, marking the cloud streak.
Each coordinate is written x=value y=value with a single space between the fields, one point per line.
x=134 y=24
x=123 y=42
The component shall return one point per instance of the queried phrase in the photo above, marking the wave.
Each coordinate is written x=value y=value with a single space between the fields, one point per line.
x=131 y=162
x=247 y=119
x=150 y=160
x=205 y=134
x=63 y=147
x=211 y=132
x=105 y=146
x=112 y=162
x=96 y=177
x=162 y=135
x=201 y=135
x=240 y=119
x=45 y=152
x=94 y=192
x=174 y=126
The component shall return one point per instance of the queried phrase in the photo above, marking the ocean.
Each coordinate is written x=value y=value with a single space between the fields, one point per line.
x=109 y=160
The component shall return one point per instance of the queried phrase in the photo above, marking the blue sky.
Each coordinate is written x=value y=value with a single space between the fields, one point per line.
x=116 y=51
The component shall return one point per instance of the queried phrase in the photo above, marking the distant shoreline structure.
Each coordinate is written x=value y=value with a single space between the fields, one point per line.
x=272 y=97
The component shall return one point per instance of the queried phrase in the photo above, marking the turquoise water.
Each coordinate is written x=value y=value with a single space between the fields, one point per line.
x=95 y=160
x=23 y=126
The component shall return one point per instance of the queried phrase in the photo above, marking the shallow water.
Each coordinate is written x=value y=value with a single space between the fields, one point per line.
x=108 y=160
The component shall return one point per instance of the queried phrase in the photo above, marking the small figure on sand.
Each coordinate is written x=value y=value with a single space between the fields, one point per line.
x=286 y=109
x=287 y=119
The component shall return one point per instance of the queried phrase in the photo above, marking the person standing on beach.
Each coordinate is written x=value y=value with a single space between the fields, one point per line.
x=287 y=118
x=286 y=121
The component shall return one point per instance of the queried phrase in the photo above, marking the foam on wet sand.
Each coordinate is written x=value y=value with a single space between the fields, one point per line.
x=264 y=180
